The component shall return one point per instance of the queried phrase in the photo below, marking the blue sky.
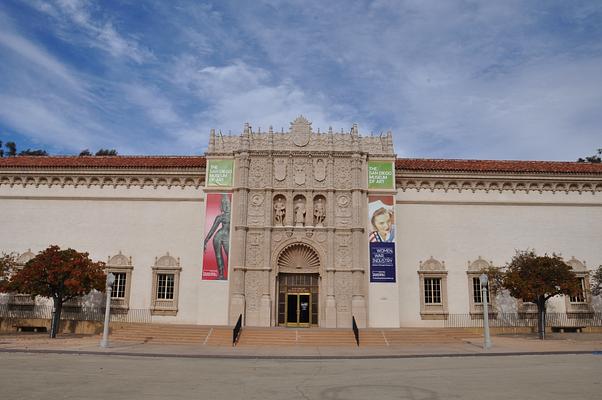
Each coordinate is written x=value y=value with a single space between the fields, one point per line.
x=452 y=79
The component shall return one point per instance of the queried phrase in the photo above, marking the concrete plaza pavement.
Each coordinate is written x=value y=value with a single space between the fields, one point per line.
x=67 y=376
x=502 y=345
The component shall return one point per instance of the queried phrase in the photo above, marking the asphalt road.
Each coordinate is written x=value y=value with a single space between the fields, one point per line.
x=58 y=376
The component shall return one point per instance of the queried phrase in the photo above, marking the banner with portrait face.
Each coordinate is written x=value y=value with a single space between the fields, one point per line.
x=216 y=244
x=381 y=237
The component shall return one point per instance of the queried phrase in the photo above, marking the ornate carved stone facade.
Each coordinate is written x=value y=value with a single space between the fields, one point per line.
x=297 y=210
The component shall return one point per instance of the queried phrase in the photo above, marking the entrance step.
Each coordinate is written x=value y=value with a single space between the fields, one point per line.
x=296 y=337
x=410 y=336
x=280 y=336
x=172 y=334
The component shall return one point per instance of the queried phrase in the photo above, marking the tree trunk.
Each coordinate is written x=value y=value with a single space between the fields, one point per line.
x=56 y=316
x=541 y=317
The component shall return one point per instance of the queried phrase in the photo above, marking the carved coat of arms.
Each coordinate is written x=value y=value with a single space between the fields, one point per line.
x=319 y=170
x=280 y=169
x=300 y=174
x=301 y=130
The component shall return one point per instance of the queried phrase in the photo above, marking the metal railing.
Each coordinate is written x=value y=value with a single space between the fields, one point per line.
x=517 y=320
x=356 y=331
x=237 y=330
x=15 y=312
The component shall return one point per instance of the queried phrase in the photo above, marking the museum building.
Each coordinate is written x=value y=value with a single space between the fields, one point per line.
x=304 y=228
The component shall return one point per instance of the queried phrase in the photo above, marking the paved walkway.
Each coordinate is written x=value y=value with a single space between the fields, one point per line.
x=502 y=345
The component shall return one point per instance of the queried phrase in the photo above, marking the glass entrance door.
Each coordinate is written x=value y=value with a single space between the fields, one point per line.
x=298 y=309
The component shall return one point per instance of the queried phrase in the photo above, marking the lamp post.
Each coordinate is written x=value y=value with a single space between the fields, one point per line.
x=484 y=279
x=105 y=332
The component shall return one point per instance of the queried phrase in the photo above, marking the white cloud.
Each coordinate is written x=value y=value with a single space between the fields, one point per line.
x=239 y=93
x=451 y=79
x=42 y=120
x=34 y=54
x=98 y=33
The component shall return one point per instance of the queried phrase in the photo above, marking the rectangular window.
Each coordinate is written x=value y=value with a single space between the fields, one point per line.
x=165 y=286
x=477 y=293
x=580 y=298
x=432 y=290
x=118 y=291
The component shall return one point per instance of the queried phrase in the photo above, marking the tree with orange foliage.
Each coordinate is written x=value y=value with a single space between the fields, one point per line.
x=537 y=279
x=61 y=275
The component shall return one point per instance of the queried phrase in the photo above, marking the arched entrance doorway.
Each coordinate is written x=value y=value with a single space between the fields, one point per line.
x=298 y=286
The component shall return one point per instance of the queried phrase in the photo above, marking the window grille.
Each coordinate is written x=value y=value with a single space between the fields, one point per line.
x=165 y=286
x=118 y=291
x=477 y=292
x=580 y=297
x=432 y=290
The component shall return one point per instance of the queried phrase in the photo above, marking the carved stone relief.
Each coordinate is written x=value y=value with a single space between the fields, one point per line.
x=258 y=173
x=321 y=237
x=319 y=169
x=300 y=172
x=255 y=249
x=343 y=250
x=343 y=178
x=256 y=209
x=280 y=165
x=342 y=291
x=343 y=210
x=301 y=131
x=253 y=289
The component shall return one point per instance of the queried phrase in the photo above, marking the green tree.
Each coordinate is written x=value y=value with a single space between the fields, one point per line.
x=85 y=152
x=106 y=152
x=1 y=149
x=592 y=159
x=61 y=275
x=597 y=281
x=30 y=152
x=537 y=279
x=8 y=261
x=12 y=149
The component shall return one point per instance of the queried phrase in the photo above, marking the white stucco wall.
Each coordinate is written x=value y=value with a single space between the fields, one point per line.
x=143 y=223
x=457 y=227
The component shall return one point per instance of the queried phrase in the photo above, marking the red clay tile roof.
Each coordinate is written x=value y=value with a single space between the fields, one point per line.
x=129 y=162
x=554 y=167
x=407 y=164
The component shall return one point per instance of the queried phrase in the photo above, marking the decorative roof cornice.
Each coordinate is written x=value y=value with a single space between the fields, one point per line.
x=497 y=166
x=102 y=162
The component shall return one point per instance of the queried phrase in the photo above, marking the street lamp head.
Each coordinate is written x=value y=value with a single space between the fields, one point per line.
x=110 y=279
x=483 y=279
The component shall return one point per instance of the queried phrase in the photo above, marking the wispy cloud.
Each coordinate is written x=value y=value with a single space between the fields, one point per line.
x=32 y=53
x=508 y=79
x=75 y=23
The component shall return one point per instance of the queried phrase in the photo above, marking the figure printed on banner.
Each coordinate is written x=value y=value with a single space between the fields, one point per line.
x=382 y=219
x=217 y=230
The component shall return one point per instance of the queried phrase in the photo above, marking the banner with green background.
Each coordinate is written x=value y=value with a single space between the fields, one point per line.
x=381 y=175
x=220 y=173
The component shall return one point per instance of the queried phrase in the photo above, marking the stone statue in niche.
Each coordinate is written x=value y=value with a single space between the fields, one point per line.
x=279 y=211
x=300 y=212
x=319 y=212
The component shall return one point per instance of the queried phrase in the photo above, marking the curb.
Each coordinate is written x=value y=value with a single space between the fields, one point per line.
x=298 y=357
